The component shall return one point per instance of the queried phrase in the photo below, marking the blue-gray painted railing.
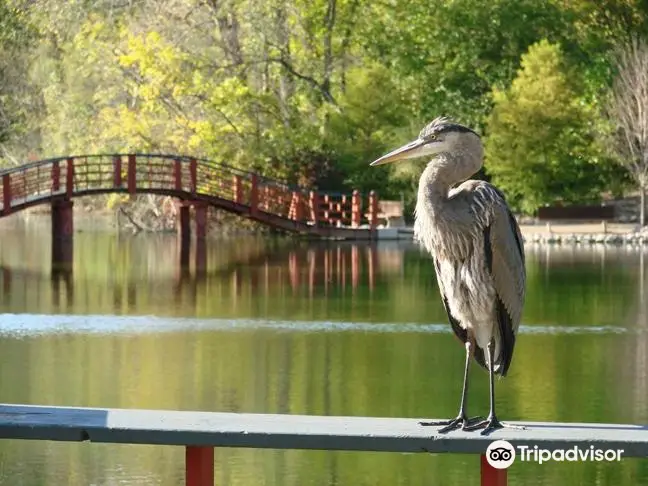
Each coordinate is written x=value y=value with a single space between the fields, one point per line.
x=200 y=432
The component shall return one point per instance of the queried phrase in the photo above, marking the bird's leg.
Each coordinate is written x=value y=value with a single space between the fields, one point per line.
x=462 y=419
x=492 y=422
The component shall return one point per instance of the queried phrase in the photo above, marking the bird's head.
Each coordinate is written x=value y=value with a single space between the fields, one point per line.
x=441 y=136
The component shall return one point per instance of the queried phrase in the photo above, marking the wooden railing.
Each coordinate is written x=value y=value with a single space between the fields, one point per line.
x=200 y=432
x=233 y=189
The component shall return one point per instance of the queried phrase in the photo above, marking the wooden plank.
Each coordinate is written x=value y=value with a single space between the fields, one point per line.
x=298 y=431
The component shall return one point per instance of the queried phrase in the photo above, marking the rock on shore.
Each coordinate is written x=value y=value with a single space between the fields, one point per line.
x=634 y=238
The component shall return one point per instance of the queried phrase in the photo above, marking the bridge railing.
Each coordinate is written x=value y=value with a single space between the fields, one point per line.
x=184 y=177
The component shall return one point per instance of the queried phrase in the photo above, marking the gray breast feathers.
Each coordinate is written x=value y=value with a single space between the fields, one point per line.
x=479 y=260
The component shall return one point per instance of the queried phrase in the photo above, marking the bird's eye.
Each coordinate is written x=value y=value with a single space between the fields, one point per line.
x=432 y=137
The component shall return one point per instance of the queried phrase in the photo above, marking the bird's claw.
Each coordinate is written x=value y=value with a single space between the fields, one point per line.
x=462 y=422
x=490 y=424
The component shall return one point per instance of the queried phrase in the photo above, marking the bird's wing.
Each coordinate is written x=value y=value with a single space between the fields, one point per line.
x=504 y=255
x=459 y=331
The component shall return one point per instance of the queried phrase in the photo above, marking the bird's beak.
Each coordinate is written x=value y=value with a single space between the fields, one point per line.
x=417 y=148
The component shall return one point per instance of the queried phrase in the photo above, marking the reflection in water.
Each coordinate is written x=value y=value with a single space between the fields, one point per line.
x=280 y=326
x=240 y=269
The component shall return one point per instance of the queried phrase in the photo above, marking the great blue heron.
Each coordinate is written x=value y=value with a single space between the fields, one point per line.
x=477 y=249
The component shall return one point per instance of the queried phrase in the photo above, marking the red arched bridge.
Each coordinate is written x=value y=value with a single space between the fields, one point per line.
x=197 y=183
x=268 y=201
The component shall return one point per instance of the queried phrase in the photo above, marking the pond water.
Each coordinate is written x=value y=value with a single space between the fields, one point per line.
x=285 y=326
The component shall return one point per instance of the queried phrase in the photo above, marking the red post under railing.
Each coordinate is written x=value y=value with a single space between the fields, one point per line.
x=238 y=190
x=314 y=203
x=356 y=209
x=131 y=176
x=56 y=176
x=342 y=209
x=267 y=195
x=373 y=209
x=177 y=174
x=254 y=194
x=193 y=165
x=199 y=464
x=6 y=194
x=299 y=210
x=491 y=476
x=117 y=171
x=69 y=178
x=326 y=203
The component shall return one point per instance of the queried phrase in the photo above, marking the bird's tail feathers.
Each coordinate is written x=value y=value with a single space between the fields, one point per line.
x=480 y=357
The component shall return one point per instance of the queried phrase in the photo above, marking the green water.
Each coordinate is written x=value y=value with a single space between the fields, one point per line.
x=305 y=328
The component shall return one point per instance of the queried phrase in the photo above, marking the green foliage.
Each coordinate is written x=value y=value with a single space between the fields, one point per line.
x=542 y=143
x=452 y=53
x=307 y=91
x=16 y=34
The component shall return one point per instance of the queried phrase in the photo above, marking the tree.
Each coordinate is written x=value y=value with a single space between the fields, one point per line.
x=629 y=114
x=542 y=143
x=449 y=54
x=16 y=36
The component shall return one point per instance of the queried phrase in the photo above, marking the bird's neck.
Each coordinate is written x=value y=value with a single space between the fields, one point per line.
x=434 y=211
x=435 y=182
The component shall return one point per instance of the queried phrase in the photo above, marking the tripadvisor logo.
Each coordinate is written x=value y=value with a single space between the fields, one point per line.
x=572 y=454
x=501 y=454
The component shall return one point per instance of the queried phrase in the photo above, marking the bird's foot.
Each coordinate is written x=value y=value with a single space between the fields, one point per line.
x=461 y=422
x=492 y=423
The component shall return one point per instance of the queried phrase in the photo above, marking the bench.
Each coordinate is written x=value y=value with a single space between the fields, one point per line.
x=392 y=213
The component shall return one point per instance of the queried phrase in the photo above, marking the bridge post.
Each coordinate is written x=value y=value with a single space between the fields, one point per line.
x=200 y=221
x=265 y=202
x=238 y=190
x=183 y=228
x=177 y=174
x=193 y=176
x=373 y=210
x=131 y=175
x=62 y=235
x=299 y=210
x=254 y=194
x=6 y=194
x=69 y=178
x=56 y=176
x=314 y=207
x=356 y=209
x=117 y=171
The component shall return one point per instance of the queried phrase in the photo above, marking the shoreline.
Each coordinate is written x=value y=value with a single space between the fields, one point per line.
x=588 y=233
x=565 y=233
x=584 y=233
